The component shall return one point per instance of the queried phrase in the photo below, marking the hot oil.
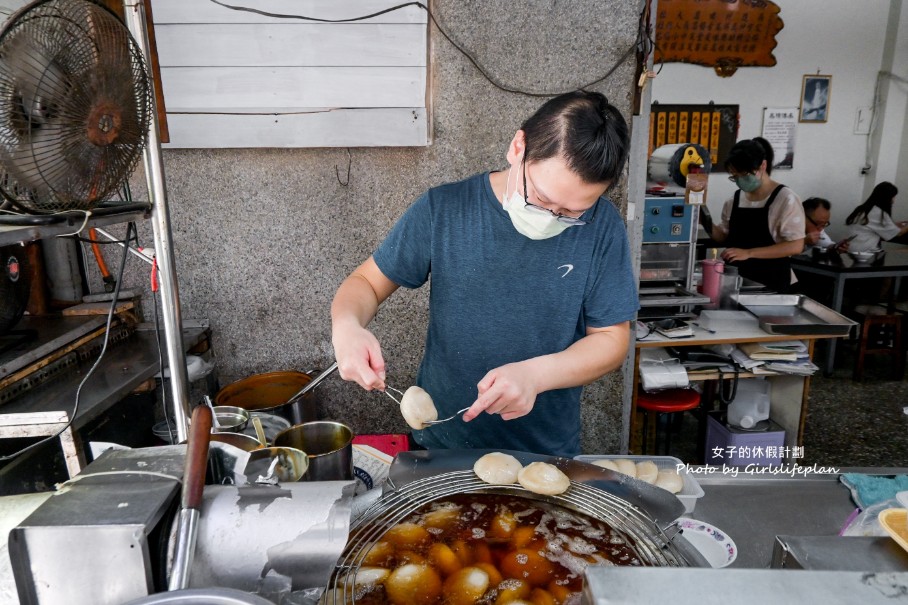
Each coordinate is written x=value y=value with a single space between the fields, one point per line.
x=489 y=549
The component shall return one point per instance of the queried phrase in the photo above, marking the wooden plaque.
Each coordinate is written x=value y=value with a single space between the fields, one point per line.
x=722 y=34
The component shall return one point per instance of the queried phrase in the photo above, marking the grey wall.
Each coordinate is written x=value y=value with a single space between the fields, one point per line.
x=264 y=237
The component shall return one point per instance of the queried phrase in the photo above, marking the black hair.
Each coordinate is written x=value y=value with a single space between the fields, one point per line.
x=747 y=155
x=584 y=129
x=812 y=203
x=881 y=197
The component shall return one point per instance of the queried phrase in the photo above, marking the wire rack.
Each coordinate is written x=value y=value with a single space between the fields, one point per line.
x=639 y=530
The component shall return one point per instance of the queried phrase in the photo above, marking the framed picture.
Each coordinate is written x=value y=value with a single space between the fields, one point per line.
x=815 y=98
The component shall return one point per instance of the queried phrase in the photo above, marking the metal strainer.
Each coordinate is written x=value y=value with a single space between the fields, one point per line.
x=640 y=531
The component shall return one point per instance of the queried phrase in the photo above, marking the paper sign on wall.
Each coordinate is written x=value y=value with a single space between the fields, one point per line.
x=779 y=124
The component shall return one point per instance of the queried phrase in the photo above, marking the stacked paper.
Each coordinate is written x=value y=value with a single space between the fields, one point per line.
x=785 y=357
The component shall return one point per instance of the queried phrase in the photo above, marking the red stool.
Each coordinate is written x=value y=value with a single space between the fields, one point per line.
x=671 y=401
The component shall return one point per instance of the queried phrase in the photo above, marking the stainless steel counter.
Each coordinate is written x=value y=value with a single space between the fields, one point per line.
x=754 y=509
x=123 y=369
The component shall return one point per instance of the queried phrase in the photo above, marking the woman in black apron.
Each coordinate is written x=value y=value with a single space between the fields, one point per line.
x=763 y=224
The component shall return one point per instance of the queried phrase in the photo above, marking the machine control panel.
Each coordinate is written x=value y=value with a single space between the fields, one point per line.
x=667 y=220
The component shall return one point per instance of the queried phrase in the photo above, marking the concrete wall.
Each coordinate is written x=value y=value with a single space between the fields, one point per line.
x=264 y=237
x=839 y=37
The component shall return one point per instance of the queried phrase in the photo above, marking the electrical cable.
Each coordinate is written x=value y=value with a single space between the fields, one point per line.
x=485 y=74
x=91 y=371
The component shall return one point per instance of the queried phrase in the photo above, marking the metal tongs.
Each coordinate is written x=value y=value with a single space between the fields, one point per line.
x=425 y=422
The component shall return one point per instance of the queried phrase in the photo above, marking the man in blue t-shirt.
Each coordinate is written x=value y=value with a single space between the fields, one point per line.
x=532 y=289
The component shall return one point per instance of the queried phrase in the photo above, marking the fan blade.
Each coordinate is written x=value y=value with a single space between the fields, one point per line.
x=37 y=80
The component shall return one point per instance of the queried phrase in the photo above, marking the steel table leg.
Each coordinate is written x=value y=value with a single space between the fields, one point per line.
x=837 y=299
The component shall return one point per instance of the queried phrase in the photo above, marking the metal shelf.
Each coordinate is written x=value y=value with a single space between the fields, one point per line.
x=17 y=234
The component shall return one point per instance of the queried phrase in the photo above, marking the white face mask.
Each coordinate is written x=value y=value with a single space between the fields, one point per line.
x=528 y=222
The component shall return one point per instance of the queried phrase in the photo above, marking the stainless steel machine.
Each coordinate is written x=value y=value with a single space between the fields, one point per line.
x=107 y=536
x=667 y=257
x=669 y=242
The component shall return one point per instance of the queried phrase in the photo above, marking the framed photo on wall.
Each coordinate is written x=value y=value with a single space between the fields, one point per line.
x=815 y=92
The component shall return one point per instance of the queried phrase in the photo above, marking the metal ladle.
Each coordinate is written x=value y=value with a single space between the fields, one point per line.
x=214 y=417
x=425 y=422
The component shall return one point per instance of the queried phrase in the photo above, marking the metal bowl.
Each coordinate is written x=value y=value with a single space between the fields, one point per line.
x=291 y=466
x=230 y=419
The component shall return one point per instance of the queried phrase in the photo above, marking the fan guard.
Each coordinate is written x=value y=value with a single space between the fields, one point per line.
x=75 y=106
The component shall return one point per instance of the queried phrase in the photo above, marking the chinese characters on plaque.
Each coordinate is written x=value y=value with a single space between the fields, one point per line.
x=723 y=34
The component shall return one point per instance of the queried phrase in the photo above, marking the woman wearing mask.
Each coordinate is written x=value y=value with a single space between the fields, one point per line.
x=531 y=285
x=763 y=223
x=871 y=222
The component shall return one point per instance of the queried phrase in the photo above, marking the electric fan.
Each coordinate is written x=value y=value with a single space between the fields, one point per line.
x=75 y=105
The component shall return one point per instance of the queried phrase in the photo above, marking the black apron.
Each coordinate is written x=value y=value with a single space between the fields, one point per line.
x=749 y=228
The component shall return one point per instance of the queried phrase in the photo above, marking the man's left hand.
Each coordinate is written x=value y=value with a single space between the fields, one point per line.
x=509 y=390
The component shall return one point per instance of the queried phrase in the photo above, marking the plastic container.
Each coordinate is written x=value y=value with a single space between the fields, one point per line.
x=688 y=495
x=751 y=403
x=712 y=270
x=737 y=447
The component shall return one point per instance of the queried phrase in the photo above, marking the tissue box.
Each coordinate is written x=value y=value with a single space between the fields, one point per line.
x=736 y=447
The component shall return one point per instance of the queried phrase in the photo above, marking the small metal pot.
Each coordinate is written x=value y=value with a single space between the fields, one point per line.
x=292 y=464
x=244 y=442
x=230 y=419
x=269 y=392
x=329 y=446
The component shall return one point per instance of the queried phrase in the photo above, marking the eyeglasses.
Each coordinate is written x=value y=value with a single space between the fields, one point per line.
x=820 y=225
x=567 y=220
x=733 y=178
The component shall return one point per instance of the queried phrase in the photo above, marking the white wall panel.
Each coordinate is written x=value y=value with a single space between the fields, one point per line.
x=290 y=44
x=237 y=79
x=331 y=128
x=205 y=11
x=204 y=89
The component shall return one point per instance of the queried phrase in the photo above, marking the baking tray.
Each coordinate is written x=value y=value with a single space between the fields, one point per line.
x=795 y=314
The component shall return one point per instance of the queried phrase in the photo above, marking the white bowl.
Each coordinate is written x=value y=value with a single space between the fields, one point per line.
x=863 y=257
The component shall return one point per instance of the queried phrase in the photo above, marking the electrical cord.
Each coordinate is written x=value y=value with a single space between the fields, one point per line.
x=723 y=398
x=91 y=371
x=651 y=327
x=470 y=57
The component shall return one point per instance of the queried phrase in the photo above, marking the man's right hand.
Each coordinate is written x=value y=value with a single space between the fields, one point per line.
x=359 y=357
x=811 y=238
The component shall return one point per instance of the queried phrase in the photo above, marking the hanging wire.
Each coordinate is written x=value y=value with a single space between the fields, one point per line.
x=482 y=70
x=91 y=371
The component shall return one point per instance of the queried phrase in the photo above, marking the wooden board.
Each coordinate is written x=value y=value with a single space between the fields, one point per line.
x=337 y=128
x=239 y=45
x=98 y=308
x=204 y=11
x=300 y=74
x=227 y=89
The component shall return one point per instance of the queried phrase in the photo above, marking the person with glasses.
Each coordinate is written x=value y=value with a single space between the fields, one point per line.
x=763 y=223
x=818 y=211
x=532 y=289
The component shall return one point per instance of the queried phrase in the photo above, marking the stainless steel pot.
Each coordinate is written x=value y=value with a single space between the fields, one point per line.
x=274 y=393
x=329 y=446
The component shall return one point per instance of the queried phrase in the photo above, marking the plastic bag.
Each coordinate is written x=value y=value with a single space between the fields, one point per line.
x=867 y=522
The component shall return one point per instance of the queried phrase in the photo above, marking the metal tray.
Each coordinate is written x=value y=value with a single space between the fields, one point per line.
x=795 y=314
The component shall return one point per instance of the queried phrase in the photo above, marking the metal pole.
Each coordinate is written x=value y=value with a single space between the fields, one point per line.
x=163 y=238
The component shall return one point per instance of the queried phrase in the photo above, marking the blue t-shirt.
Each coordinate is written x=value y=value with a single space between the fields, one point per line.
x=498 y=297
